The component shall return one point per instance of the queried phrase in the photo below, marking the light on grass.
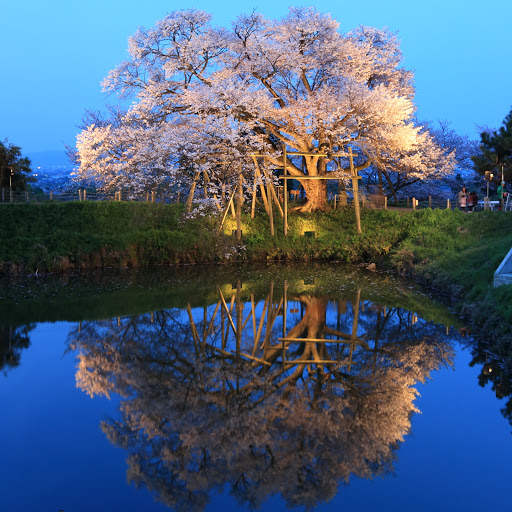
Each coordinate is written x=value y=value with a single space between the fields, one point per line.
x=229 y=227
x=308 y=228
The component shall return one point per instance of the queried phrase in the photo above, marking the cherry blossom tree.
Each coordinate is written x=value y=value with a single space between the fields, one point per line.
x=263 y=87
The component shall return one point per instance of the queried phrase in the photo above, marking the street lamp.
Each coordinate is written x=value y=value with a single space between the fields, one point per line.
x=488 y=177
x=10 y=183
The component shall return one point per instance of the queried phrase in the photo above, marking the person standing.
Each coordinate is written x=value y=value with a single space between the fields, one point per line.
x=474 y=196
x=463 y=194
x=469 y=202
x=501 y=194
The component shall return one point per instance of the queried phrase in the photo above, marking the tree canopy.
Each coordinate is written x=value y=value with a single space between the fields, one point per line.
x=14 y=168
x=496 y=150
x=204 y=95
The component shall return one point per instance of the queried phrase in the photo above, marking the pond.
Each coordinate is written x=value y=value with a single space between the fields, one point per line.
x=264 y=387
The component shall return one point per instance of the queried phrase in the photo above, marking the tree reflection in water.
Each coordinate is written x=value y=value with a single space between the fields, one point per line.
x=292 y=394
x=493 y=373
x=13 y=339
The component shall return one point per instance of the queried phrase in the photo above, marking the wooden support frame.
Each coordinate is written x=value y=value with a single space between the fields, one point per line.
x=230 y=204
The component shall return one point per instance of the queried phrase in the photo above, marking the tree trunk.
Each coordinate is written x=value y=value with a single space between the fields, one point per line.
x=316 y=196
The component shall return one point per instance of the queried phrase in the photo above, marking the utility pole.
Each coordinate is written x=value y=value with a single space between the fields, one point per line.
x=502 y=187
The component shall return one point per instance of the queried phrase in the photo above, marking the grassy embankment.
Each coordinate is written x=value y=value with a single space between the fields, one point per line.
x=453 y=252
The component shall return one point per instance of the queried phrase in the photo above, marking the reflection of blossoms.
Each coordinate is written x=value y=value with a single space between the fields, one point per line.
x=196 y=416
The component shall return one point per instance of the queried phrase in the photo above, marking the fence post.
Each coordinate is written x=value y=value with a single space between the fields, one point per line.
x=407 y=202
x=26 y=195
x=147 y=196
x=178 y=200
x=335 y=196
x=85 y=194
x=448 y=205
x=79 y=194
x=385 y=202
x=51 y=195
x=414 y=203
x=153 y=196
x=430 y=202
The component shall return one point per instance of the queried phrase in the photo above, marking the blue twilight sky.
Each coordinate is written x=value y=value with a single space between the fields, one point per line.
x=54 y=54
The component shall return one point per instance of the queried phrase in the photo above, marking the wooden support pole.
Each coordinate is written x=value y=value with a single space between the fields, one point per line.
x=270 y=212
x=385 y=202
x=355 y=188
x=285 y=306
x=239 y=200
x=285 y=190
x=233 y=212
x=254 y=191
x=272 y=193
x=263 y=190
x=153 y=197
x=239 y=319
x=258 y=179
x=230 y=202
x=51 y=195
x=430 y=202
x=226 y=310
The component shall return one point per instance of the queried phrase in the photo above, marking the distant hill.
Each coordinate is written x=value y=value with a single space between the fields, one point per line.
x=45 y=159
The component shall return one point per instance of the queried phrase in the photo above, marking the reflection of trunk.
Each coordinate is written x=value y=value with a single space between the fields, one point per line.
x=311 y=325
x=313 y=321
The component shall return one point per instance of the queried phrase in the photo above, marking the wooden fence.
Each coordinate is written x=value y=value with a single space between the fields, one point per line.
x=83 y=195
x=335 y=200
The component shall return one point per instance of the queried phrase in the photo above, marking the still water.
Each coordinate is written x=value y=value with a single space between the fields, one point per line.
x=307 y=387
